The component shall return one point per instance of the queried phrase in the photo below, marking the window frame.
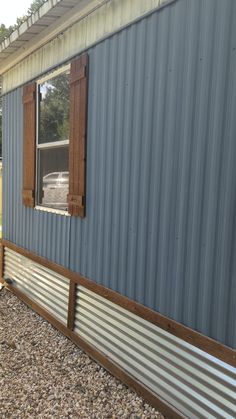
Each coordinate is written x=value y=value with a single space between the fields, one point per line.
x=78 y=121
x=49 y=145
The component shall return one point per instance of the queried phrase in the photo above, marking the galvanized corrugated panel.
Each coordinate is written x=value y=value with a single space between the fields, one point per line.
x=197 y=384
x=161 y=178
x=49 y=289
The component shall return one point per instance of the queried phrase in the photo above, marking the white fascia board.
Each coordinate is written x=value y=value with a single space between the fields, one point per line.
x=74 y=14
x=44 y=9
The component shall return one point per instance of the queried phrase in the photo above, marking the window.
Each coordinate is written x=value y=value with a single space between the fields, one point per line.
x=53 y=96
x=55 y=124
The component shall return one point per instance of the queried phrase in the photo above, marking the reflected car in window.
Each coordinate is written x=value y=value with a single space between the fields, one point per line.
x=56 y=189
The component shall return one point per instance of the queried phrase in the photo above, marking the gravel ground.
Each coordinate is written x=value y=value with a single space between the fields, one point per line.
x=44 y=375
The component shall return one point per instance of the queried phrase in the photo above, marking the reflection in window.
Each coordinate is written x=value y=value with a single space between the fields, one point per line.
x=53 y=140
x=54 y=109
x=53 y=177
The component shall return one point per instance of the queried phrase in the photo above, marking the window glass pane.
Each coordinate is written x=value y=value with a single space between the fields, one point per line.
x=53 y=177
x=54 y=109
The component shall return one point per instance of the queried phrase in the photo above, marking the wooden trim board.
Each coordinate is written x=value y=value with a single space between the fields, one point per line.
x=71 y=305
x=157 y=402
x=193 y=337
x=1 y=260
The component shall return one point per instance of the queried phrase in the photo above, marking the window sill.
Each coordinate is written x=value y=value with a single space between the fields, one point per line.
x=52 y=210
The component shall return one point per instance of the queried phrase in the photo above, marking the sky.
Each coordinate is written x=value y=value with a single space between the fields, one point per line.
x=11 y=9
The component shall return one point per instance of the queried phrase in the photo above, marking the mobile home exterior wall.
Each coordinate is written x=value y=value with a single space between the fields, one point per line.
x=161 y=177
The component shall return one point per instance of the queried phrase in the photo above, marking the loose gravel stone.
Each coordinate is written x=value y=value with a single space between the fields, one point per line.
x=44 y=375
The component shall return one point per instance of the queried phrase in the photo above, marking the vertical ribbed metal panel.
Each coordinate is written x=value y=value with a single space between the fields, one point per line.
x=43 y=233
x=160 y=224
x=161 y=175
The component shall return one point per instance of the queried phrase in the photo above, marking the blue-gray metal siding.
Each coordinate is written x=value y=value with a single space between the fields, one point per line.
x=161 y=173
x=41 y=232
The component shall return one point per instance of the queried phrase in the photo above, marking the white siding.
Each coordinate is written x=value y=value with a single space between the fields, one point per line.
x=109 y=18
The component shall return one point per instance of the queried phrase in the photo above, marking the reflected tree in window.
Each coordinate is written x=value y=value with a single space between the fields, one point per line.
x=54 y=109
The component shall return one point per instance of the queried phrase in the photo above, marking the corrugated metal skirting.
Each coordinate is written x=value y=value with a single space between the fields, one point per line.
x=161 y=176
x=195 y=383
x=48 y=289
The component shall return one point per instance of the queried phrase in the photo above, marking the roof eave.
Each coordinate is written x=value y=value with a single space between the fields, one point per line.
x=23 y=41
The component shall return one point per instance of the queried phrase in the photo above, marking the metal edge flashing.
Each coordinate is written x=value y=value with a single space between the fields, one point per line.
x=206 y=344
x=21 y=70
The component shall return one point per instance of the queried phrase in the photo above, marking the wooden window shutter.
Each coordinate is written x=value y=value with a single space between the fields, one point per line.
x=78 y=130
x=29 y=105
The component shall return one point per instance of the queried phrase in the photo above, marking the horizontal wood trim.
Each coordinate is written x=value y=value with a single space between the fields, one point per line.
x=75 y=200
x=28 y=197
x=103 y=360
x=191 y=336
x=28 y=193
x=80 y=75
x=30 y=97
x=1 y=260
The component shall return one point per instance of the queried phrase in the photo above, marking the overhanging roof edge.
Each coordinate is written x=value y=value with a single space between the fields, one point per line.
x=12 y=51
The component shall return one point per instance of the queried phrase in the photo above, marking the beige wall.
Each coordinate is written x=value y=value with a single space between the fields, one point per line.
x=104 y=21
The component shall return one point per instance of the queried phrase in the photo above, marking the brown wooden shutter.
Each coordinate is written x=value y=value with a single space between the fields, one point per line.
x=78 y=129
x=29 y=104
